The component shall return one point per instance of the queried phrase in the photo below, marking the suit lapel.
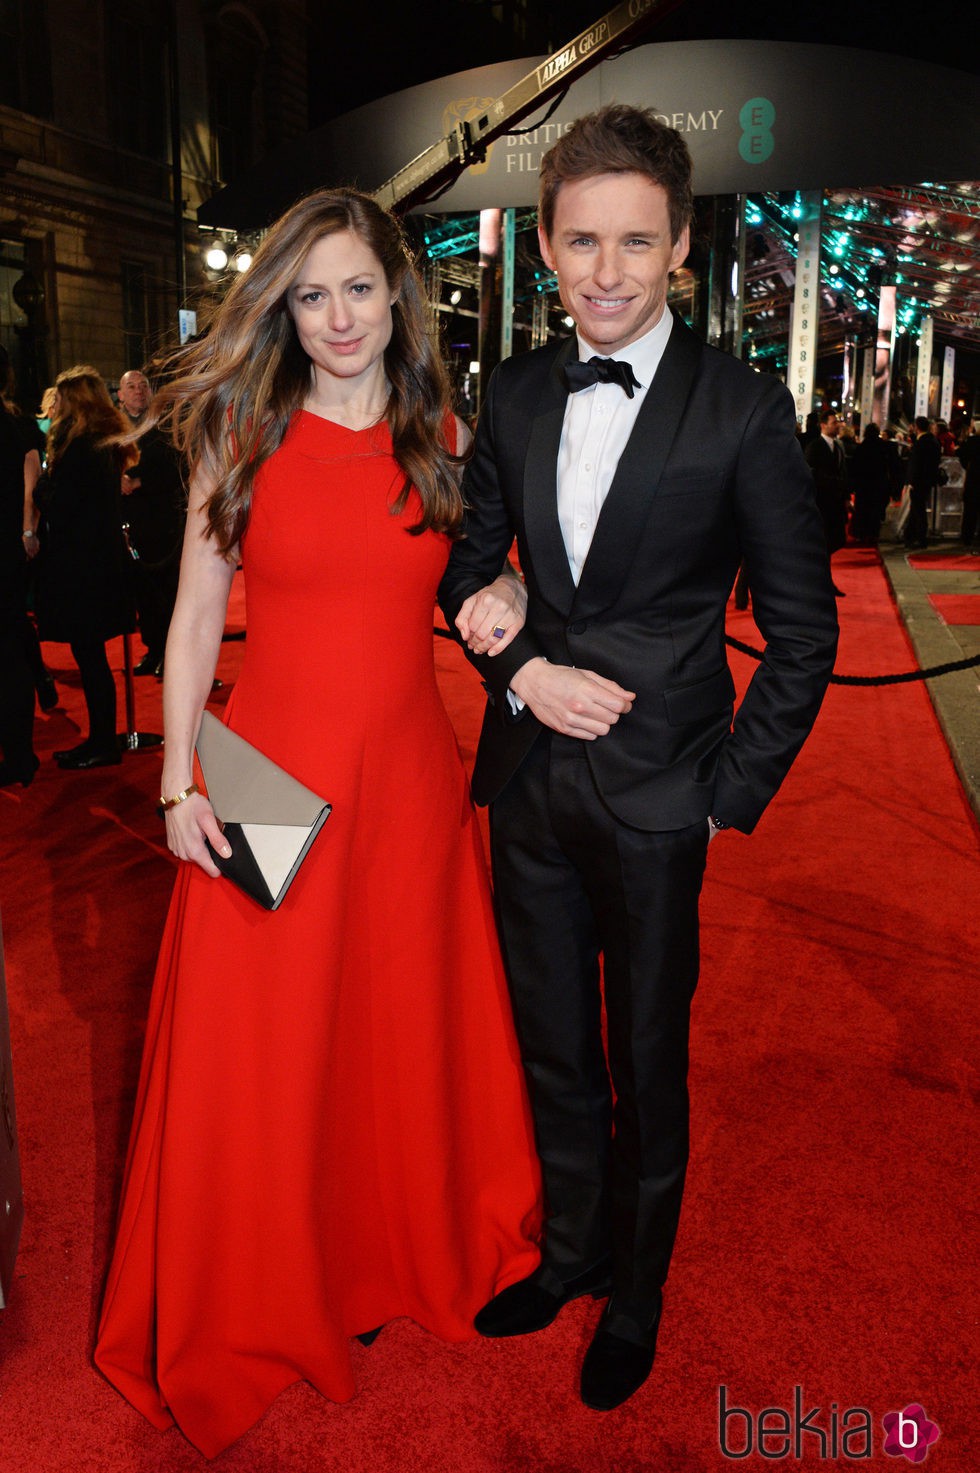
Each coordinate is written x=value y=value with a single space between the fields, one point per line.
x=617 y=533
x=545 y=544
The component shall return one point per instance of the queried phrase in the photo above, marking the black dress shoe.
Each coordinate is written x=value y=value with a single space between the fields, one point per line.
x=47 y=693
x=85 y=746
x=617 y=1364
x=148 y=664
x=94 y=757
x=534 y=1302
x=19 y=772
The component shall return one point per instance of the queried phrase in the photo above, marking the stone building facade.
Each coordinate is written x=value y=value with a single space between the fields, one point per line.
x=94 y=260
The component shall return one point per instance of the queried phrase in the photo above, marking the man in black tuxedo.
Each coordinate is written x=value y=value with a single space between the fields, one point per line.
x=825 y=457
x=923 y=475
x=608 y=752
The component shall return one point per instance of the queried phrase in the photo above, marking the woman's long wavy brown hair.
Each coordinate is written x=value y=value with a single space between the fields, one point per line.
x=236 y=389
x=84 y=408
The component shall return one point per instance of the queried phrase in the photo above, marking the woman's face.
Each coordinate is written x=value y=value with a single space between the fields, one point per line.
x=341 y=305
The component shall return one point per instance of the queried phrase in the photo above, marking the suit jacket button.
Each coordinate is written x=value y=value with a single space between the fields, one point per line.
x=579 y=627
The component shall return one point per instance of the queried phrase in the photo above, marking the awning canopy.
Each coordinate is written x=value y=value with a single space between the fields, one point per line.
x=757 y=115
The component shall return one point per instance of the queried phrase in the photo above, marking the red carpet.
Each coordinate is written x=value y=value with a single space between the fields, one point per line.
x=955 y=608
x=826 y=1241
x=936 y=562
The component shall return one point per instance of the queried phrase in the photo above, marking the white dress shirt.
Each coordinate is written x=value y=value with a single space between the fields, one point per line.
x=598 y=422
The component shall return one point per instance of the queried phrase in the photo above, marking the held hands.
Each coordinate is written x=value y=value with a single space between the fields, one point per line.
x=490 y=619
x=188 y=824
x=576 y=703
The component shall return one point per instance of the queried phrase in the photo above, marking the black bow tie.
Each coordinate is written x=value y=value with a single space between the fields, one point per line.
x=580 y=375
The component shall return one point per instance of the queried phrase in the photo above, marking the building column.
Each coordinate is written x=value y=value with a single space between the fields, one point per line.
x=726 y=275
x=488 y=351
x=801 y=369
x=923 y=370
x=507 y=284
x=884 y=347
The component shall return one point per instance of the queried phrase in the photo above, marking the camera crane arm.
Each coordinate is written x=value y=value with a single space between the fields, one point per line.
x=436 y=169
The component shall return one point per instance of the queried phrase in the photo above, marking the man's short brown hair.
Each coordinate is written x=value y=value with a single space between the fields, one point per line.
x=619 y=139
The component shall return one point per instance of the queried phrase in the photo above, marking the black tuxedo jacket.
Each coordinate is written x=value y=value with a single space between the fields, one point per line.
x=712 y=475
x=826 y=463
x=923 y=470
x=829 y=468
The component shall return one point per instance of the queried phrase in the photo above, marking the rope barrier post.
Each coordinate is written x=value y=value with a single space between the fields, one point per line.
x=132 y=740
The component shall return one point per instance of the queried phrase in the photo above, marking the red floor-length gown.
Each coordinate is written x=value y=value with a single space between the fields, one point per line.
x=330 y=1127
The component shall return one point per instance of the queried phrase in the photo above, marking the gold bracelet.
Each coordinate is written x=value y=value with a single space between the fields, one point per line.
x=167 y=803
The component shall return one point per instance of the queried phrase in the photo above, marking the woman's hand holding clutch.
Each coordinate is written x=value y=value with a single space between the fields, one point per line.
x=189 y=822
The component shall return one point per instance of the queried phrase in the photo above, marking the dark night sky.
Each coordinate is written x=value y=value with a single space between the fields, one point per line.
x=393 y=45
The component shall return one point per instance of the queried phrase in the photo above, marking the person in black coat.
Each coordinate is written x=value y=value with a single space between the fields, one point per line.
x=825 y=457
x=969 y=457
x=635 y=486
x=895 y=457
x=871 y=481
x=20 y=466
x=153 y=507
x=84 y=590
x=923 y=473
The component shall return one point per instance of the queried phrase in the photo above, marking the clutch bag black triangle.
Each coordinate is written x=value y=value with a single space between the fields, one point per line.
x=269 y=819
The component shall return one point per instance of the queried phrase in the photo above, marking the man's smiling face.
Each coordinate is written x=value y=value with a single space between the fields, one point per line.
x=611 y=248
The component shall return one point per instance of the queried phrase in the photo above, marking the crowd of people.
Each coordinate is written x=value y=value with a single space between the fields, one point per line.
x=856 y=479
x=93 y=513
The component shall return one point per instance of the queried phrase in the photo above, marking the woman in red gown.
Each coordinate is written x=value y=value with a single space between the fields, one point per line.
x=330 y=1127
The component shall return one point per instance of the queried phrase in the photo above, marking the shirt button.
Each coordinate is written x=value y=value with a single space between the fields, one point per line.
x=582 y=526
x=588 y=465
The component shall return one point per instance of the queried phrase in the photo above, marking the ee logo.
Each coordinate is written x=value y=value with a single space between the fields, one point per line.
x=757 y=117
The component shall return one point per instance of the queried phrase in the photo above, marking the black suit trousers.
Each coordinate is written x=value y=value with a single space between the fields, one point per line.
x=917 y=526
x=573 y=883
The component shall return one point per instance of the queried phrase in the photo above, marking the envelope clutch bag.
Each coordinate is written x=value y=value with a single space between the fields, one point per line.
x=269 y=819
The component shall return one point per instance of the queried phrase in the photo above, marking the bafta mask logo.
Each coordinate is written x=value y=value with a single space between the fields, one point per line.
x=464 y=110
